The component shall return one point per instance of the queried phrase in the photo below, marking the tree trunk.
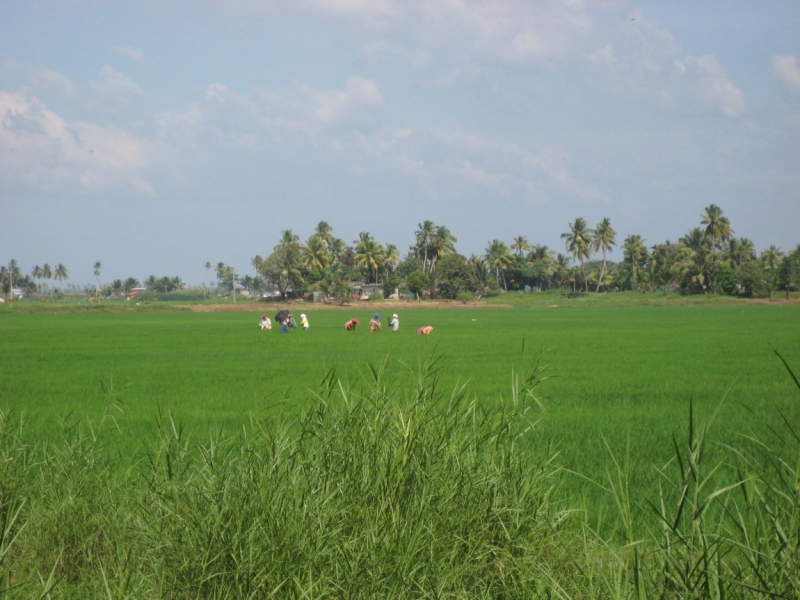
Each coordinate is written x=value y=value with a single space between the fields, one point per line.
x=602 y=272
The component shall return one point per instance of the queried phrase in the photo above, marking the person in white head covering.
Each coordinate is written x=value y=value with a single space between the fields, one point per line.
x=304 y=322
x=395 y=323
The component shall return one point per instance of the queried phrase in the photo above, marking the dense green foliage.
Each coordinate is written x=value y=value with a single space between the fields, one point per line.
x=392 y=490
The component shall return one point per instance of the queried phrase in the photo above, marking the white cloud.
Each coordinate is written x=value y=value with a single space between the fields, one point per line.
x=785 y=70
x=42 y=79
x=113 y=84
x=129 y=52
x=301 y=107
x=41 y=149
x=707 y=81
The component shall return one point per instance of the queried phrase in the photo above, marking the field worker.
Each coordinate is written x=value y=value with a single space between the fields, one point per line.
x=375 y=323
x=304 y=321
x=351 y=324
x=395 y=323
x=284 y=326
x=427 y=330
x=265 y=323
x=292 y=323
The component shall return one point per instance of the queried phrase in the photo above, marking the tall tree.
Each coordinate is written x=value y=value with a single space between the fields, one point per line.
x=36 y=273
x=499 y=258
x=369 y=254
x=442 y=244
x=97 y=267
x=480 y=275
x=208 y=268
x=635 y=253
x=424 y=236
x=47 y=273
x=770 y=261
x=605 y=238
x=288 y=239
x=324 y=232
x=314 y=254
x=60 y=273
x=579 y=243
x=740 y=251
x=520 y=245
x=718 y=227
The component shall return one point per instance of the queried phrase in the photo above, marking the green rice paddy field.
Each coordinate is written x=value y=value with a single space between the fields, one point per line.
x=625 y=373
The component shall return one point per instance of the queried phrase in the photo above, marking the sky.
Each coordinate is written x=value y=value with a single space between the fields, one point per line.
x=155 y=136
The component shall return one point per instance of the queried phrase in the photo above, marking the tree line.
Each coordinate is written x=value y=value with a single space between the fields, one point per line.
x=707 y=259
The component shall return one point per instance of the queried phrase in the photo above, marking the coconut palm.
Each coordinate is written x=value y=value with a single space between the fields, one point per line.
x=97 y=267
x=635 y=253
x=579 y=243
x=47 y=273
x=60 y=273
x=208 y=269
x=695 y=240
x=391 y=257
x=499 y=258
x=481 y=276
x=337 y=249
x=718 y=228
x=424 y=236
x=288 y=239
x=315 y=255
x=369 y=255
x=36 y=273
x=604 y=239
x=740 y=251
x=324 y=232
x=520 y=245
x=770 y=261
x=442 y=244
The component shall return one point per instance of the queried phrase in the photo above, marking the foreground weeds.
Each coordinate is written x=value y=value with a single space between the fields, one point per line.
x=385 y=491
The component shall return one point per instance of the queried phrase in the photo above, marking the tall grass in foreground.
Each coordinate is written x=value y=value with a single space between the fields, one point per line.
x=383 y=491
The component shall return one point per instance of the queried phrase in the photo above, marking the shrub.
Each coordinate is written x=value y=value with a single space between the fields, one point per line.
x=465 y=297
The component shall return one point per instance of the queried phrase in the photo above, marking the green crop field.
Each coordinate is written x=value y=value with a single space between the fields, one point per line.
x=627 y=373
x=399 y=495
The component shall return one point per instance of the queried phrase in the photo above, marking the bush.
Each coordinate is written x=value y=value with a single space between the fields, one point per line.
x=465 y=297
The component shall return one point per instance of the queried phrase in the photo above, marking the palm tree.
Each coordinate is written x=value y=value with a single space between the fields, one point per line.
x=579 y=243
x=741 y=250
x=770 y=261
x=695 y=240
x=499 y=258
x=604 y=239
x=208 y=269
x=288 y=239
x=718 y=228
x=36 y=273
x=315 y=255
x=97 y=267
x=442 y=244
x=60 y=273
x=337 y=249
x=47 y=273
x=635 y=252
x=521 y=245
x=369 y=254
x=481 y=277
x=219 y=271
x=391 y=257
x=324 y=232
x=424 y=237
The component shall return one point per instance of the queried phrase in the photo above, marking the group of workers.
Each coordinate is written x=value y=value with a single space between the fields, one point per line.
x=374 y=323
x=286 y=322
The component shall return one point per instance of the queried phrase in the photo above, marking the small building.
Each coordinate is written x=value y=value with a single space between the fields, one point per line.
x=367 y=289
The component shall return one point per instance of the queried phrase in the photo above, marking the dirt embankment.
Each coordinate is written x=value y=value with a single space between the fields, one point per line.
x=269 y=307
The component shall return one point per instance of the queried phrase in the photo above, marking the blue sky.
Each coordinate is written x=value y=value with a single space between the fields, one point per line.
x=155 y=136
